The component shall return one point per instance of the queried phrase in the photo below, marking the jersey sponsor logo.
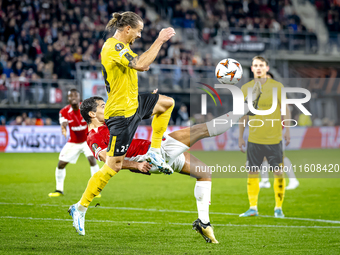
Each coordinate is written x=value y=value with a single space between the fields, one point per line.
x=119 y=46
x=128 y=56
x=79 y=128
x=122 y=52
x=94 y=147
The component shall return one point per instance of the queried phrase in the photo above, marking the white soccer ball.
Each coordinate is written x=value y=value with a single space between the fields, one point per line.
x=228 y=71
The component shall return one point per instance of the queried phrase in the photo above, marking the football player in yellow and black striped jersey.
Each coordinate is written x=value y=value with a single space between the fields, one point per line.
x=293 y=182
x=125 y=108
x=265 y=138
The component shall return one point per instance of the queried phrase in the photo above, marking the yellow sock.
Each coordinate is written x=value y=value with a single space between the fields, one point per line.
x=159 y=124
x=253 y=189
x=279 y=190
x=96 y=184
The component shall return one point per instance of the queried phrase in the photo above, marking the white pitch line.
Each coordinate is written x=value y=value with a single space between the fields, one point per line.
x=173 y=211
x=170 y=223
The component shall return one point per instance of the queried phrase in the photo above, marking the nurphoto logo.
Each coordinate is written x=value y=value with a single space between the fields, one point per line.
x=238 y=103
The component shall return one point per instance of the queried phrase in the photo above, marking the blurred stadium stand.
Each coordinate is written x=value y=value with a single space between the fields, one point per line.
x=50 y=46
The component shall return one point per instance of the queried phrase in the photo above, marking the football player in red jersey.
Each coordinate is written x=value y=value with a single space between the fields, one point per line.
x=70 y=115
x=173 y=149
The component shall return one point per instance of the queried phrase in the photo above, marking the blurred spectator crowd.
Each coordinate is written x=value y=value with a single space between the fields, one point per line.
x=210 y=16
x=330 y=9
x=30 y=119
x=39 y=39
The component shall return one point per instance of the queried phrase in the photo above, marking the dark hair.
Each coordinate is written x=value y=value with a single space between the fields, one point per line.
x=270 y=74
x=89 y=105
x=121 y=20
x=73 y=90
x=260 y=58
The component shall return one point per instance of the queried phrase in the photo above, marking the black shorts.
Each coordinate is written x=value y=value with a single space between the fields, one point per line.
x=256 y=153
x=123 y=129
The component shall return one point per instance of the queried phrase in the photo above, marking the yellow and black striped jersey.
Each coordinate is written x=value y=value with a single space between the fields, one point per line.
x=271 y=131
x=121 y=80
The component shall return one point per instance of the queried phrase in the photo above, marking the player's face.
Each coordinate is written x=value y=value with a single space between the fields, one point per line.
x=73 y=97
x=100 y=111
x=259 y=68
x=136 y=32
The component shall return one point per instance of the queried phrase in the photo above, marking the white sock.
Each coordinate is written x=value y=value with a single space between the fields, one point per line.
x=94 y=169
x=253 y=207
x=288 y=169
x=59 y=178
x=222 y=123
x=80 y=207
x=264 y=171
x=156 y=150
x=203 y=197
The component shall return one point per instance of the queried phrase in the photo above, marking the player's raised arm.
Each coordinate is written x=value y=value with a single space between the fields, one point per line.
x=142 y=62
x=129 y=27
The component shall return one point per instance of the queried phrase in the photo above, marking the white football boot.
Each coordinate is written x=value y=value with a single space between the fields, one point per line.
x=157 y=160
x=78 y=219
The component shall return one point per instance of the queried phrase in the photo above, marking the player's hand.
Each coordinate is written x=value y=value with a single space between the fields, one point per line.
x=154 y=91
x=166 y=34
x=63 y=131
x=287 y=136
x=144 y=166
x=241 y=144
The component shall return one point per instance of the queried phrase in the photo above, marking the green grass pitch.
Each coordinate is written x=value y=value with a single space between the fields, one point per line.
x=153 y=214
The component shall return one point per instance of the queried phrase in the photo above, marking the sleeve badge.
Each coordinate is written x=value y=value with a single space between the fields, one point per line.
x=119 y=46
x=94 y=147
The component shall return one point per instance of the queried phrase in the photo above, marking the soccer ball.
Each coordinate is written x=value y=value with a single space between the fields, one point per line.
x=228 y=71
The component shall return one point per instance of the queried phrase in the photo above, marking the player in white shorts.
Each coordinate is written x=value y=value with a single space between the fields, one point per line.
x=173 y=149
x=71 y=151
x=70 y=115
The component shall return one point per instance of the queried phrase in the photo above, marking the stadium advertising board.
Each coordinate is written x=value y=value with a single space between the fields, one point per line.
x=31 y=139
x=50 y=139
x=94 y=87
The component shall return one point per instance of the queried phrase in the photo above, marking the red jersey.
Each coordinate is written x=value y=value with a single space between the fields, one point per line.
x=76 y=123
x=98 y=140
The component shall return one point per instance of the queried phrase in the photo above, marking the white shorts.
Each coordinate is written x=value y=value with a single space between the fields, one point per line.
x=71 y=151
